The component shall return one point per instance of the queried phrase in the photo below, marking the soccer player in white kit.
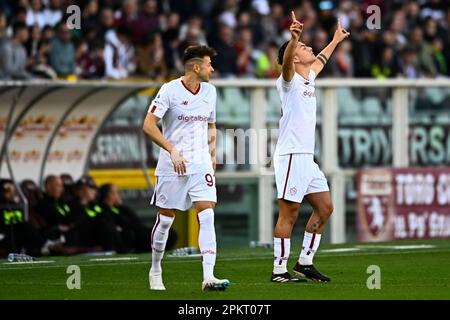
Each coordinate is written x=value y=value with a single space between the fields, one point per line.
x=297 y=175
x=187 y=160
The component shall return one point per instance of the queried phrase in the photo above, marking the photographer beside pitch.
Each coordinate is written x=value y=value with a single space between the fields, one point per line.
x=297 y=175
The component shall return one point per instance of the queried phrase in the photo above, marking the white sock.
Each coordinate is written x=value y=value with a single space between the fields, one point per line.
x=207 y=242
x=281 y=250
x=160 y=233
x=310 y=245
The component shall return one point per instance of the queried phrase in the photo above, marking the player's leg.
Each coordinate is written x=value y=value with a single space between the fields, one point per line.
x=322 y=209
x=287 y=216
x=159 y=236
x=208 y=246
x=202 y=193
x=289 y=198
x=170 y=195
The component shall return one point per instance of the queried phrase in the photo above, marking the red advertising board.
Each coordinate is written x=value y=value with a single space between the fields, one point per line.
x=406 y=203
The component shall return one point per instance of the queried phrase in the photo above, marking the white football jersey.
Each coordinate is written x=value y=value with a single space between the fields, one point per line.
x=298 y=114
x=185 y=116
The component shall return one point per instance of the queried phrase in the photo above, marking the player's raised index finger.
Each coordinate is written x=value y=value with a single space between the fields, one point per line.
x=339 y=23
x=293 y=16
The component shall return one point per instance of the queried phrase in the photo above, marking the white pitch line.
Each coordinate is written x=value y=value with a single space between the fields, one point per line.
x=29 y=262
x=186 y=256
x=114 y=259
x=397 y=247
x=340 y=250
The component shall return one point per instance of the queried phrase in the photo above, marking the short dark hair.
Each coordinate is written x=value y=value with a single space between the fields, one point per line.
x=18 y=26
x=104 y=191
x=281 y=53
x=49 y=179
x=193 y=52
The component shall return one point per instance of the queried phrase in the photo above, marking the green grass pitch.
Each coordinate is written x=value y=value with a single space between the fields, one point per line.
x=409 y=270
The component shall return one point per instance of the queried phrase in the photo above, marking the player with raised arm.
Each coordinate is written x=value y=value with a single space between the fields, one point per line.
x=187 y=160
x=297 y=175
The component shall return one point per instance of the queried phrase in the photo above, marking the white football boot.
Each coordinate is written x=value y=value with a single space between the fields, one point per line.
x=215 y=284
x=156 y=282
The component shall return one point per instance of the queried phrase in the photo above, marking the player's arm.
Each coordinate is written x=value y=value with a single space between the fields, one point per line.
x=322 y=58
x=212 y=136
x=287 y=68
x=153 y=132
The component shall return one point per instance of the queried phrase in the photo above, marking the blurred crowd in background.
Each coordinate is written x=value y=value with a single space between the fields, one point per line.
x=146 y=38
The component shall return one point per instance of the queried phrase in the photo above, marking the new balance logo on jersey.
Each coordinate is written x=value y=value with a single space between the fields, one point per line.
x=186 y=118
x=185 y=103
x=309 y=94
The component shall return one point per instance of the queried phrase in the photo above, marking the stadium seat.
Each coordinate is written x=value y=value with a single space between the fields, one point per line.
x=273 y=107
x=372 y=109
x=435 y=95
x=221 y=109
x=236 y=106
x=349 y=109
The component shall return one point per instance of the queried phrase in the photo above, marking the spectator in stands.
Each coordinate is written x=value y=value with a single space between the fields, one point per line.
x=425 y=54
x=412 y=14
x=342 y=61
x=3 y=27
x=194 y=25
x=20 y=15
x=171 y=42
x=128 y=14
x=35 y=15
x=408 y=64
x=32 y=45
x=386 y=66
x=40 y=67
x=119 y=54
x=225 y=63
x=266 y=63
x=133 y=232
x=319 y=42
x=147 y=21
x=60 y=220
x=91 y=63
x=90 y=15
x=62 y=52
x=48 y=33
x=106 y=22
x=193 y=37
x=17 y=234
x=271 y=24
x=150 y=58
x=54 y=13
x=38 y=51
x=244 y=51
x=438 y=56
x=13 y=62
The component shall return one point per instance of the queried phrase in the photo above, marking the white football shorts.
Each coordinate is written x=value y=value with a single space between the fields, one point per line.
x=180 y=192
x=297 y=175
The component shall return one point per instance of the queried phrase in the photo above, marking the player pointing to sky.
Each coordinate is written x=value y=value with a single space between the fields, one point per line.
x=297 y=176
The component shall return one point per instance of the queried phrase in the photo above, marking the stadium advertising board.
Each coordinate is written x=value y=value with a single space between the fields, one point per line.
x=406 y=203
x=119 y=148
